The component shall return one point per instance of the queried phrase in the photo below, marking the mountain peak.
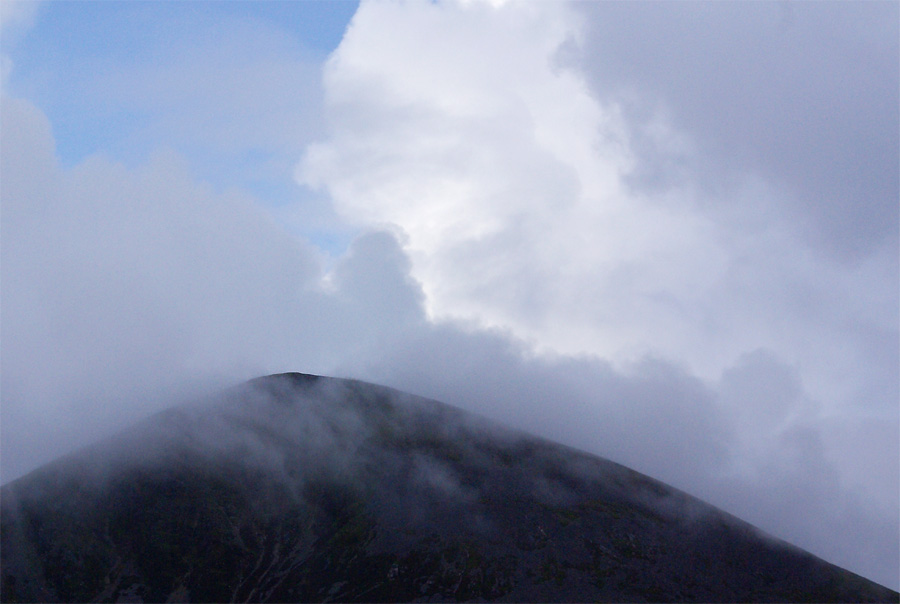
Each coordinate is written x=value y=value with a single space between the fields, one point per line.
x=295 y=487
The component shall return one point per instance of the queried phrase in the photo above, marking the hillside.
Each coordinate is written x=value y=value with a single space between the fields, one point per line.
x=300 y=488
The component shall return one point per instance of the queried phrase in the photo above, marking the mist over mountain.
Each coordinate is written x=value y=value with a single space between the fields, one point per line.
x=664 y=234
x=295 y=487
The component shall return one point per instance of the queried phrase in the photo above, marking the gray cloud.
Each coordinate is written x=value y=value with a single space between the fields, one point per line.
x=680 y=181
x=804 y=93
x=517 y=192
x=752 y=444
x=135 y=288
x=128 y=288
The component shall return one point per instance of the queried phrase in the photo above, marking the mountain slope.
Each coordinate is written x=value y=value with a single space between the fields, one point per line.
x=299 y=488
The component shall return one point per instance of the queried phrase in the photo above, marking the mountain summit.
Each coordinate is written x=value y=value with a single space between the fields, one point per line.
x=295 y=487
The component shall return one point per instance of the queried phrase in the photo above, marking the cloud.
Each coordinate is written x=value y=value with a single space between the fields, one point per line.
x=530 y=248
x=485 y=161
x=753 y=443
x=803 y=93
x=239 y=96
x=127 y=288
x=570 y=187
x=513 y=181
x=124 y=281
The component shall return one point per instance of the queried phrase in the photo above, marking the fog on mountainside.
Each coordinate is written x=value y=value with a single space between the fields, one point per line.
x=300 y=488
x=678 y=252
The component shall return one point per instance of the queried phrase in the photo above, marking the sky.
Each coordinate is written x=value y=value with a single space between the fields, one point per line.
x=664 y=233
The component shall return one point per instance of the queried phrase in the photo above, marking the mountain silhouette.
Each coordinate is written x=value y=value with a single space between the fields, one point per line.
x=294 y=488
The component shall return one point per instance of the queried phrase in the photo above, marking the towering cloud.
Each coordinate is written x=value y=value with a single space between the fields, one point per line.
x=517 y=187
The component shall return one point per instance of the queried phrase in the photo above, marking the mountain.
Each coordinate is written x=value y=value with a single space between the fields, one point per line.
x=301 y=488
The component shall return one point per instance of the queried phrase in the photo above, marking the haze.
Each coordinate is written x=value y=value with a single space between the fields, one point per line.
x=666 y=234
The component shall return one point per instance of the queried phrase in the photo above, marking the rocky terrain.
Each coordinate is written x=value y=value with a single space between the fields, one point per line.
x=300 y=488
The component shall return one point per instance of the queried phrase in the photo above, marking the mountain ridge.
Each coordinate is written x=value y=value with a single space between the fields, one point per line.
x=294 y=487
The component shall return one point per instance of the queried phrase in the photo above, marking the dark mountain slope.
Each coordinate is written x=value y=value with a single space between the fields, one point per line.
x=298 y=488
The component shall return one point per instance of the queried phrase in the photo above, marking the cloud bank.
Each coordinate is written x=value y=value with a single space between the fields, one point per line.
x=545 y=239
x=561 y=174
x=514 y=185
